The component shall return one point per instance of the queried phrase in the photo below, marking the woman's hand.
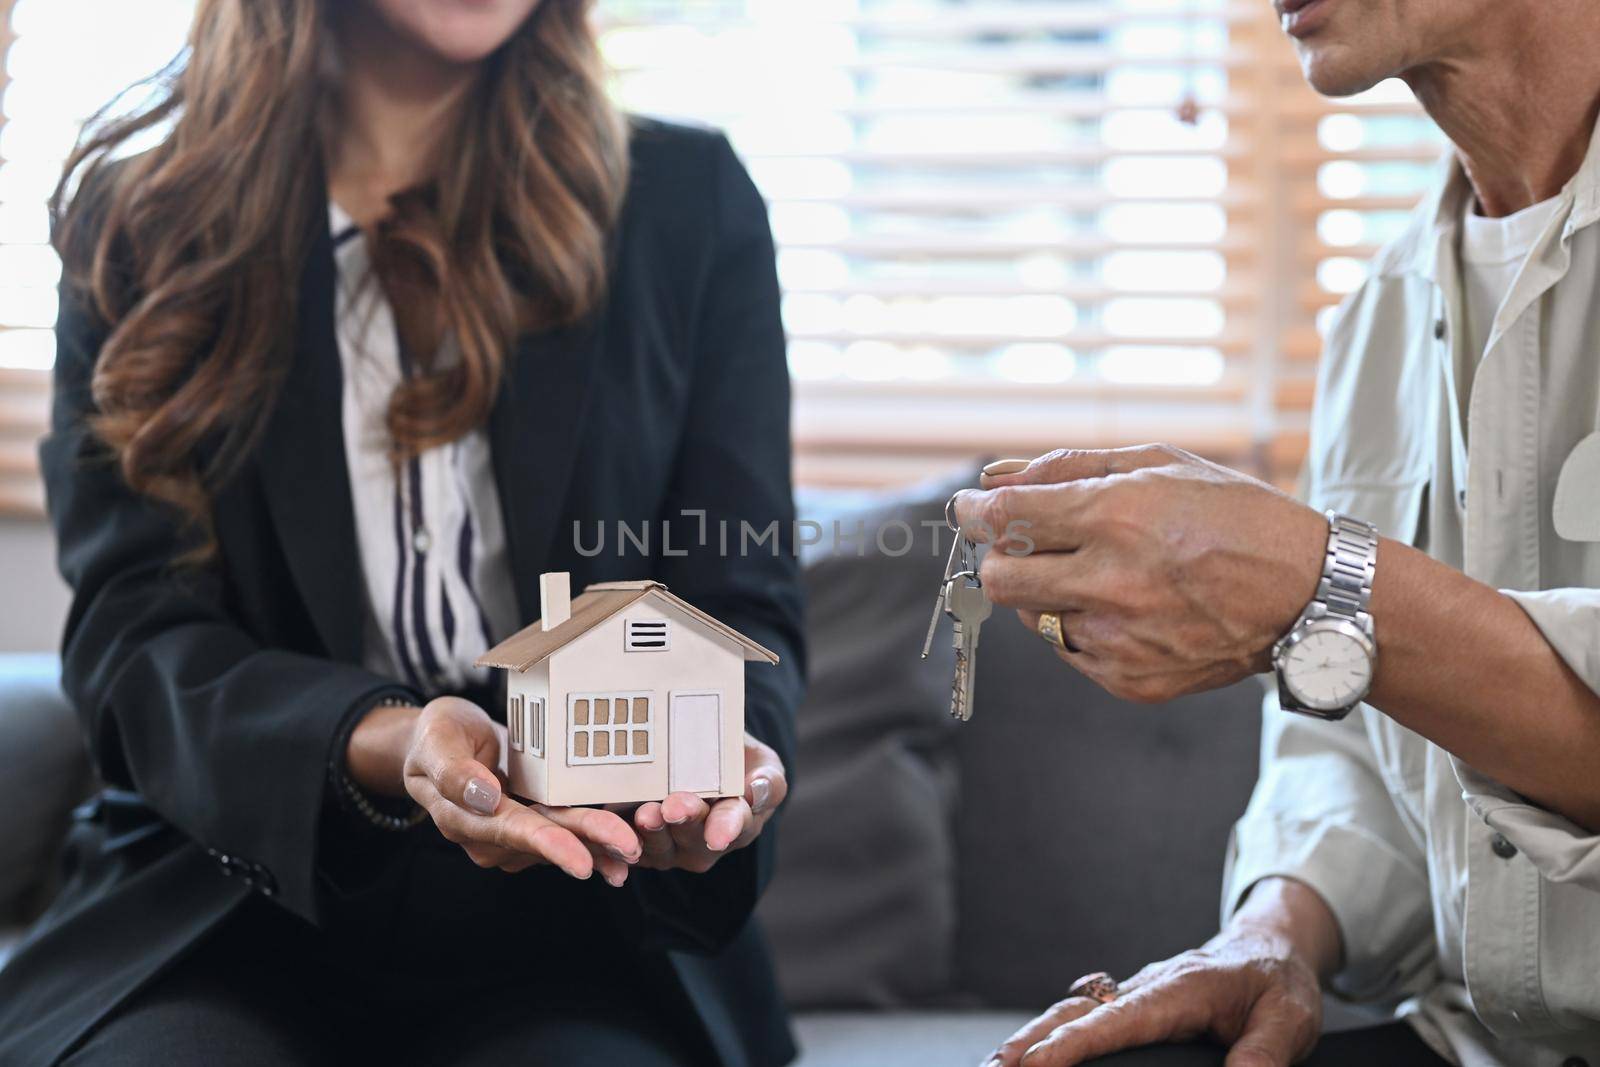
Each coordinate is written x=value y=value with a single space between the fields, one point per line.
x=1254 y=988
x=445 y=754
x=1171 y=574
x=684 y=832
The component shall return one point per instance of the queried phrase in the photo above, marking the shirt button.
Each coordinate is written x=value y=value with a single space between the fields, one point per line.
x=1502 y=848
x=421 y=540
x=1438 y=329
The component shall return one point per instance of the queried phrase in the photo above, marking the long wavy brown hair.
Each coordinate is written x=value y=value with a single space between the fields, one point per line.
x=192 y=250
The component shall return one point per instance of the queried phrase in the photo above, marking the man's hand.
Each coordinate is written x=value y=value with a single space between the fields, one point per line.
x=444 y=757
x=1171 y=574
x=684 y=832
x=1254 y=988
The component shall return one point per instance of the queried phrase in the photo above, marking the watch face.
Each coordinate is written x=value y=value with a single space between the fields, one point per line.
x=1327 y=669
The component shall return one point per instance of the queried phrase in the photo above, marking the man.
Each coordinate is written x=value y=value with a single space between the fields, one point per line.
x=1426 y=830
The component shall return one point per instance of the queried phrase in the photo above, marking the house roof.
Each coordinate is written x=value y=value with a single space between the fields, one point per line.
x=593 y=606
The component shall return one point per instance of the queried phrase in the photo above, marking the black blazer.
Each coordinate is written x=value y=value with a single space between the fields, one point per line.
x=212 y=703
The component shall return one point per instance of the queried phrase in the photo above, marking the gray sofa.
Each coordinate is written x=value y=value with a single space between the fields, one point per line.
x=938 y=883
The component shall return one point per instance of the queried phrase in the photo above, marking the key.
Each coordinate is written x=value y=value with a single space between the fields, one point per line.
x=963 y=561
x=965 y=602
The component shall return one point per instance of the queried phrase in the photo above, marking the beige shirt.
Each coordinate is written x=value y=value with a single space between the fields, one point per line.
x=1491 y=254
x=1474 y=912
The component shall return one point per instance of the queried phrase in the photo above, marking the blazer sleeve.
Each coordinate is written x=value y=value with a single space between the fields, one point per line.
x=733 y=475
x=226 y=740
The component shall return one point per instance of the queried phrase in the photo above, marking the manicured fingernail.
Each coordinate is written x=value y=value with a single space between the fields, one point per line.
x=481 y=796
x=617 y=881
x=760 y=793
x=1004 y=466
x=625 y=857
x=675 y=822
x=716 y=848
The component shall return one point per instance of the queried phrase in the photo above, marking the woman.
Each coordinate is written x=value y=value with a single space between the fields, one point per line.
x=394 y=304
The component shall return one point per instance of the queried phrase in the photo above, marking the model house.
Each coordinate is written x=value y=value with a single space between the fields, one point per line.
x=625 y=694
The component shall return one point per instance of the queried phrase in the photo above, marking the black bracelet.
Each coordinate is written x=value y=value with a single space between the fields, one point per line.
x=357 y=799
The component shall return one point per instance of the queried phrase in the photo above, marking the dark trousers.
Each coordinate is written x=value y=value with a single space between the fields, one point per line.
x=1389 y=1045
x=267 y=989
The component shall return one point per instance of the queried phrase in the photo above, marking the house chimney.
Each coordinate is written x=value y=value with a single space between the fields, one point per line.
x=555 y=599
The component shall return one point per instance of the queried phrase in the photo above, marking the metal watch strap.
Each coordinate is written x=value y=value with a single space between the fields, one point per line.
x=1343 y=594
x=1346 y=585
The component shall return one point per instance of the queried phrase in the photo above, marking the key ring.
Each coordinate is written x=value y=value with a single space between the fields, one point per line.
x=949 y=508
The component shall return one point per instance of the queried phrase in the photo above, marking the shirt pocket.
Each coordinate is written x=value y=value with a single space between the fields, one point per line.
x=1396 y=509
x=1576 y=510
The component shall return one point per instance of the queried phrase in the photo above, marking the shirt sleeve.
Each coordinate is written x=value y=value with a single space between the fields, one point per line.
x=1558 y=847
x=1321 y=814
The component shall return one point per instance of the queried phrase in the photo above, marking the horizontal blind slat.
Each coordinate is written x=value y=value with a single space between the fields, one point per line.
x=981 y=246
x=1000 y=286
x=948 y=20
x=1069 y=339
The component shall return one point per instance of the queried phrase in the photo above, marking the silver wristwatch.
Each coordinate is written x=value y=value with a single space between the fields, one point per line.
x=1326 y=663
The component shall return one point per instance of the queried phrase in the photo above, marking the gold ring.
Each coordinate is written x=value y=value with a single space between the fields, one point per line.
x=1050 y=629
x=1098 y=986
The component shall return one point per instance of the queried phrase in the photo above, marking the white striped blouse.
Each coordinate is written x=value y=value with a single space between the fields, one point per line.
x=430 y=533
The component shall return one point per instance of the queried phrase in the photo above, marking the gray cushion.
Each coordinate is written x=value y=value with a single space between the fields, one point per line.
x=956 y=1038
x=1091 y=832
x=903 y=1038
x=863 y=910
x=43 y=774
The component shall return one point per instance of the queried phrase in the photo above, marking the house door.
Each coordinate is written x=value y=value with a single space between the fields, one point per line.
x=694 y=763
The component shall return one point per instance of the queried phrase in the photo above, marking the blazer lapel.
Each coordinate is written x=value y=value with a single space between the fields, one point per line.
x=303 y=464
x=534 y=431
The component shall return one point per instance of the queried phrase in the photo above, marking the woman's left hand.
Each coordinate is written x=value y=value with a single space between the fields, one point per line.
x=1170 y=574
x=683 y=832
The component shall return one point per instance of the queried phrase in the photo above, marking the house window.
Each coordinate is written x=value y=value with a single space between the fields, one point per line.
x=525 y=724
x=610 y=728
x=647 y=635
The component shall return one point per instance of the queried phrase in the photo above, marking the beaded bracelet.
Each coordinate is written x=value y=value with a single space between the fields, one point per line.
x=357 y=799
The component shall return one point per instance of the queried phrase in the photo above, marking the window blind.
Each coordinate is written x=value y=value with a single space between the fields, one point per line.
x=997 y=231
x=1005 y=227
x=23 y=388
x=1344 y=175
x=63 y=60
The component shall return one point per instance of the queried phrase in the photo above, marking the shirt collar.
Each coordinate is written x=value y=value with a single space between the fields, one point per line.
x=1431 y=232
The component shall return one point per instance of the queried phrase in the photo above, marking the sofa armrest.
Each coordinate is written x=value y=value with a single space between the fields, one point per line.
x=44 y=773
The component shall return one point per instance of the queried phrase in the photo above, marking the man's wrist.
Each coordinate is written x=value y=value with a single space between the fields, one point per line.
x=1302 y=537
x=1291 y=911
x=375 y=756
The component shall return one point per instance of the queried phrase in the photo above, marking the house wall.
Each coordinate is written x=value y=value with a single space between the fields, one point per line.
x=529 y=774
x=698 y=659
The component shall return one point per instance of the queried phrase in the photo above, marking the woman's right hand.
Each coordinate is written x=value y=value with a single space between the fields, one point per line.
x=1255 y=988
x=443 y=755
